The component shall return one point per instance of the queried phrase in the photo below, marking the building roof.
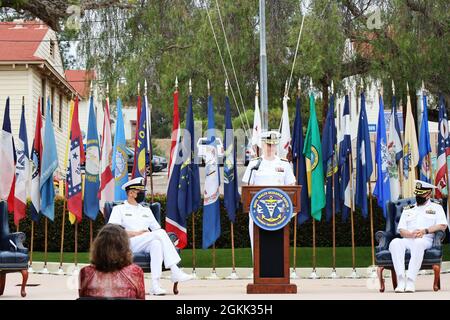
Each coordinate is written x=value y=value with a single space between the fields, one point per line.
x=20 y=40
x=80 y=80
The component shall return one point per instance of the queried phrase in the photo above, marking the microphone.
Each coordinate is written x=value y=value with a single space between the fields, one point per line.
x=255 y=167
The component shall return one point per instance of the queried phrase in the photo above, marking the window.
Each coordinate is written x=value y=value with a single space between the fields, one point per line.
x=60 y=110
x=43 y=95
x=52 y=48
x=52 y=101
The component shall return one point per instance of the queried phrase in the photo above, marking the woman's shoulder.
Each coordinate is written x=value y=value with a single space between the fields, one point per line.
x=133 y=268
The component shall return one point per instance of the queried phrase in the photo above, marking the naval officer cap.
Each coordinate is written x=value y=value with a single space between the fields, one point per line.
x=270 y=137
x=134 y=184
x=423 y=187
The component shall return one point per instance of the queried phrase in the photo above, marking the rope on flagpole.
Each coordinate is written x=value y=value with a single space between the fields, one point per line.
x=226 y=73
x=232 y=64
x=76 y=245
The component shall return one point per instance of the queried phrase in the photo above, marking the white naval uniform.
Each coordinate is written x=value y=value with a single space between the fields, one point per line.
x=156 y=242
x=275 y=172
x=414 y=218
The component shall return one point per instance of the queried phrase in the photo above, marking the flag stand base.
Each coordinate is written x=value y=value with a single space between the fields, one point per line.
x=294 y=274
x=233 y=276
x=313 y=275
x=213 y=276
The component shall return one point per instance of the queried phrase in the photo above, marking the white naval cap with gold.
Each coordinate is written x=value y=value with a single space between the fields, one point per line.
x=134 y=184
x=270 y=137
x=423 y=187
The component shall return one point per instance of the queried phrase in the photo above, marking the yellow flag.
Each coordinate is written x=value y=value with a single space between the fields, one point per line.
x=410 y=153
x=72 y=217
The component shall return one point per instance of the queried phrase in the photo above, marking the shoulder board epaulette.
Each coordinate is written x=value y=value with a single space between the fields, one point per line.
x=256 y=158
x=283 y=159
x=435 y=201
x=409 y=206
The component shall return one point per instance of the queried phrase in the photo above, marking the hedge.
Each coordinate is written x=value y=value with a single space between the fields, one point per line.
x=241 y=238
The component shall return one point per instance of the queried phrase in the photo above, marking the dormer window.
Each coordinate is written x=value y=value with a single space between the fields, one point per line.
x=52 y=48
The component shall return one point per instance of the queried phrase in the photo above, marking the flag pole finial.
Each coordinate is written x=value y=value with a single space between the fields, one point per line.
x=91 y=88
x=190 y=86
x=257 y=89
x=393 y=88
x=310 y=84
x=423 y=86
x=332 y=87
x=145 y=87
x=209 y=87
x=407 y=88
x=176 y=83
x=362 y=84
x=107 y=89
x=23 y=100
x=117 y=88
x=226 y=87
x=139 y=88
x=298 y=87
x=286 y=89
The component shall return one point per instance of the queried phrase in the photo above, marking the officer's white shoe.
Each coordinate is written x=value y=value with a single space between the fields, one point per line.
x=157 y=291
x=410 y=286
x=400 y=285
x=181 y=276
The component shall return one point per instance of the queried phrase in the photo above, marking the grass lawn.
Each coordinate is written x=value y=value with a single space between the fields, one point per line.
x=243 y=257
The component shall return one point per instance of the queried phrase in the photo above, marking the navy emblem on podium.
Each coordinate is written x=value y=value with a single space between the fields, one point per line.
x=271 y=209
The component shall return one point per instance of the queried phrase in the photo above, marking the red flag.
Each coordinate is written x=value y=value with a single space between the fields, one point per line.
x=76 y=158
x=136 y=136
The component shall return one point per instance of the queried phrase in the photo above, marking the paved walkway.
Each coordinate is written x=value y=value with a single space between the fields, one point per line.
x=64 y=287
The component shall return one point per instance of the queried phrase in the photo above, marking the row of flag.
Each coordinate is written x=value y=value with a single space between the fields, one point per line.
x=397 y=158
x=105 y=165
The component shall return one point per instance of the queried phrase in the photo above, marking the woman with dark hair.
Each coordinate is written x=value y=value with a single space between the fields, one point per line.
x=112 y=273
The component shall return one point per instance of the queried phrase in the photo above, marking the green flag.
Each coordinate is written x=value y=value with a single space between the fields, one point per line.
x=313 y=151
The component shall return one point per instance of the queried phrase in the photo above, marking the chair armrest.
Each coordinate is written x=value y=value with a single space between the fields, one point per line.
x=439 y=236
x=17 y=238
x=383 y=238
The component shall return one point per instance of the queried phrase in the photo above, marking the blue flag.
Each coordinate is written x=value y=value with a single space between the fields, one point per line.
x=382 y=187
x=230 y=173
x=211 y=203
x=330 y=162
x=120 y=156
x=92 y=179
x=345 y=153
x=49 y=165
x=298 y=161
x=189 y=196
x=424 y=143
x=364 y=165
x=141 y=145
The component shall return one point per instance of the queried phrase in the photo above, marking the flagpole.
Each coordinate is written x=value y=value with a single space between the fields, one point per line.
x=353 y=275
x=30 y=268
x=233 y=274
x=333 y=205
x=194 y=273
x=400 y=162
x=149 y=140
x=60 y=270
x=45 y=270
x=294 y=269
x=313 y=274
x=371 y=224
x=213 y=275
x=76 y=247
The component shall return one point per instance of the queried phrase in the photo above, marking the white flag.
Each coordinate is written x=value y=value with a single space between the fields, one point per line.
x=256 y=135
x=394 y=146
x=285 y=142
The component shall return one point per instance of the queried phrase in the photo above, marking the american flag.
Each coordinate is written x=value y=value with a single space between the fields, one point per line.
x=443 y=151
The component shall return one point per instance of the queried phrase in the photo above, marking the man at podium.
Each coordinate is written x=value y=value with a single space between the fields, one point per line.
x=268 y=170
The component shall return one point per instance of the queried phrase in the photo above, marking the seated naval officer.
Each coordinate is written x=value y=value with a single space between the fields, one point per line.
x=416 y=226
x=146 y=234
x=268 y=170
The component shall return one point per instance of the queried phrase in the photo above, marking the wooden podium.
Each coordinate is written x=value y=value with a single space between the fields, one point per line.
x=271 y=248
